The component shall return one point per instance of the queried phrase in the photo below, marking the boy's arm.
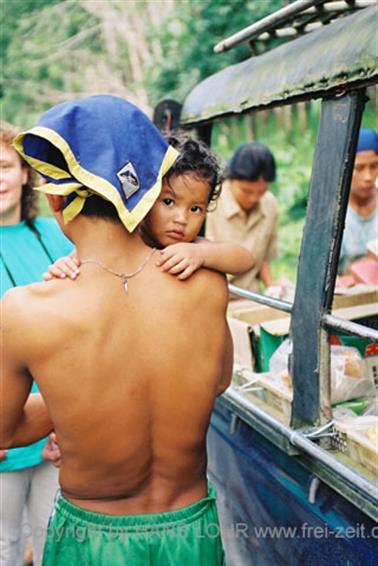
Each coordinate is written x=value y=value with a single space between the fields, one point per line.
x=24 y=418
x=34 y=424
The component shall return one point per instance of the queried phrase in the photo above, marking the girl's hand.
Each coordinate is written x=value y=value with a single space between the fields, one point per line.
x=51 y=451
x=181 y=259
x=67 y=266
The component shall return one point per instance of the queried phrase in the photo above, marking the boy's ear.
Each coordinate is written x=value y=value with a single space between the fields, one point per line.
x=55 y=202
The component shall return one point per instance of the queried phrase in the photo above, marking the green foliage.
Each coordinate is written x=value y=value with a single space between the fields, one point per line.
x=57 y=49
x=293 y=146
x=37 y=68
x=187 y=39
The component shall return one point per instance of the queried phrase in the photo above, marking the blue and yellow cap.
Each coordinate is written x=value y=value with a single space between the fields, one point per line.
x=100 y=145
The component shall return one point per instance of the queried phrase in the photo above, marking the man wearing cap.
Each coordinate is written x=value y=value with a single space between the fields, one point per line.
x=361 y=223
x=119 y=355
x=247 y=212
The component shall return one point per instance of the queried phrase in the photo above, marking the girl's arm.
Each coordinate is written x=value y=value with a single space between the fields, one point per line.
x=180 y=259
x=184 y=258
x=226 y=257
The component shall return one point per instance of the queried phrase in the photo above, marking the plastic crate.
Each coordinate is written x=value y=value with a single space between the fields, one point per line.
x=266 y=345
x=356 y=443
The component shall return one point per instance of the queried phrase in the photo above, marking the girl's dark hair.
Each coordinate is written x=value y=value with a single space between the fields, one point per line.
x=196 y=158
x=250 y=162
x=29 y=198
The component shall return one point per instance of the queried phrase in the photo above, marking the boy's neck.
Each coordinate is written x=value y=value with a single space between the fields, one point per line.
x=106 y=241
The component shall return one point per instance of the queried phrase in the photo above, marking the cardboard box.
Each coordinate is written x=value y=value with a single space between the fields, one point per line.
x=355 y=441
x=355 y=296
x=258 y=330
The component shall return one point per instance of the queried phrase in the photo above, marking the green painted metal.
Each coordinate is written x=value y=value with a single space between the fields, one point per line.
x=328 y=197
x=338 y=57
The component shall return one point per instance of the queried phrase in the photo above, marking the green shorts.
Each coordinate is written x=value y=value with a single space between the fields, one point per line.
x=186 y=537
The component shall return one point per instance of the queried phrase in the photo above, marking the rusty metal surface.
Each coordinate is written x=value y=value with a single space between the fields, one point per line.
x=340 y=56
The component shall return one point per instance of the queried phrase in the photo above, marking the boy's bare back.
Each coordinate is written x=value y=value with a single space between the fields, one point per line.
x=129 y=381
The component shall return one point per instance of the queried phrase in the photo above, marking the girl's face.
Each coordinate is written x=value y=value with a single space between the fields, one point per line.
x=180 y=210
x=12 y=177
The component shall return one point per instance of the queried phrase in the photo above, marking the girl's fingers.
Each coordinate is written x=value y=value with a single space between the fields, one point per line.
x=73 y=255
x=64 y=267
x=171 y=262
x=164 y=258
x=56 y=271
x=72 y=265
x=178 y=267
x=186 y=273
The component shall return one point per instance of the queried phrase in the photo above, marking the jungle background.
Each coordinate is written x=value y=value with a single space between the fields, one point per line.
x=145 y=51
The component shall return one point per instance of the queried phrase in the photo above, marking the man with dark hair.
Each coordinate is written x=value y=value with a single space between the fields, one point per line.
x=361 y=222
x=247 y=212
x=117 y=354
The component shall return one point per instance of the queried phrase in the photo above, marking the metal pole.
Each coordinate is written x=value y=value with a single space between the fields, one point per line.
x=298 y=440
x=336 y=323
x=262 y=299
x=275 y=19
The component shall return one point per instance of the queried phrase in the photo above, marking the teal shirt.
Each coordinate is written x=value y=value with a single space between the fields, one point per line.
x=24 y=258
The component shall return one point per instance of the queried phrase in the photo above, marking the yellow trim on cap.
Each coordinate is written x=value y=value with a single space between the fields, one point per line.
x=55 y=189
x=76 y=205
x=97 y=185
x=41 y=166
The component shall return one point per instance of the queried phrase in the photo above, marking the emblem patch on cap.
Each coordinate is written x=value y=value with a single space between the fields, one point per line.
x=129 y=179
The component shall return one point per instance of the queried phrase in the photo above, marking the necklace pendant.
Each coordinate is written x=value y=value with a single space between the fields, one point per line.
x=125 y=284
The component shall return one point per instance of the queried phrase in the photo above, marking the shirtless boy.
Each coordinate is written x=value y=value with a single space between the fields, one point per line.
x=128 y=377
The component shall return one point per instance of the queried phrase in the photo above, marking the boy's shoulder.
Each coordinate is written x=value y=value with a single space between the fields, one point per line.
x=32 y=316
x=17 y=310
x=30 y=304
x=209 y=286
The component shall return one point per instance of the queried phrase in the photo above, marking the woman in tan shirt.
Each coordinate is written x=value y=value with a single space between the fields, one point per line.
x=247 y=212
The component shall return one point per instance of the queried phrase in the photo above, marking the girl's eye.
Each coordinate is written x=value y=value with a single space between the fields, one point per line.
x=168 y=201
x=196 y=209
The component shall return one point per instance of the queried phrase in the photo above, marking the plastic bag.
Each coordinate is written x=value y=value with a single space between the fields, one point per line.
x=348 y=375
x=349 y=379
x=372 y=407
x=279 y=364
x=286 y=291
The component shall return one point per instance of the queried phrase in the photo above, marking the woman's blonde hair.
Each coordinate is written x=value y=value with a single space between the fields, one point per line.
x=29 y=198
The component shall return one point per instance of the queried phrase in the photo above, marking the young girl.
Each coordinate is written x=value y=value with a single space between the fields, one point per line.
x=175 y=220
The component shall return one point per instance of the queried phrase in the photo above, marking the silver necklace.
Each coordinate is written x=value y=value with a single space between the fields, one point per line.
x=123 y=276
